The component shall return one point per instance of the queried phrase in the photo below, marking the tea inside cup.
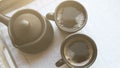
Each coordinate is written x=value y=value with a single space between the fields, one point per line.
x=78 y=53
x=71 y=16
x=79 y=50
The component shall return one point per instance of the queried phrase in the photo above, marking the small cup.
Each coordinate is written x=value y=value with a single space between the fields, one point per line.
x=70 y=16
x=78 y=51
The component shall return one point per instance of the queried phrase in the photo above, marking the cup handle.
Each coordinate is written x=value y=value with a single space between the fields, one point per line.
x=50 y=16
x=60 y=63
x=4 y=19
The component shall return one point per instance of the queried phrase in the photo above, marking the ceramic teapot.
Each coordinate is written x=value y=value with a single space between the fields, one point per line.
x=29 y=31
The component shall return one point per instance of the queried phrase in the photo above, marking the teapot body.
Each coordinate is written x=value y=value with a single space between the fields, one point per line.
x=40 y=44
x=29 y=31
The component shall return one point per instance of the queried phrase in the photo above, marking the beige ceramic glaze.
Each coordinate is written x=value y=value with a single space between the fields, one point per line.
x=29 y=31
x=78 y=51
x=70 y=16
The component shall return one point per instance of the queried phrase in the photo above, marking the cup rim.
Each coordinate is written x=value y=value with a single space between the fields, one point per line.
x=85 y=14
x=94 y=47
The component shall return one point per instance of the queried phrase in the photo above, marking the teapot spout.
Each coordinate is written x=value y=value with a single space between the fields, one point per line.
x=4 y=19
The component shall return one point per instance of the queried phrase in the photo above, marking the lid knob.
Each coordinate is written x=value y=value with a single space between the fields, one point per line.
x=25 y=24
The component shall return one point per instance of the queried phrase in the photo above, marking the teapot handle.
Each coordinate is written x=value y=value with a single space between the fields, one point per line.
x=4 y=19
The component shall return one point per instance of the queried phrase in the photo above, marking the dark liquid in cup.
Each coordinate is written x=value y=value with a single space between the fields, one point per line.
x=78 y=52
x=69 y=17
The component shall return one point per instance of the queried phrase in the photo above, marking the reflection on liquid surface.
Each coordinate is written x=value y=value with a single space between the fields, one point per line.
x=70 y=17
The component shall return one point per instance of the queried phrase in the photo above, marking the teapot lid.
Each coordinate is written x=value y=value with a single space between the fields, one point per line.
x=26 y=26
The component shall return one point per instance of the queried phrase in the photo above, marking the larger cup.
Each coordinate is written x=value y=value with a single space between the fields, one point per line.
x=70 y=16
x=78 y=51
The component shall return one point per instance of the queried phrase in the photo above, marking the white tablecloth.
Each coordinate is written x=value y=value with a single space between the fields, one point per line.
x=103 y=26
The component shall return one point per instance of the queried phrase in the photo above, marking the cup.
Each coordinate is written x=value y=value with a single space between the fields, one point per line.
x=78 y=51
x=70 y=16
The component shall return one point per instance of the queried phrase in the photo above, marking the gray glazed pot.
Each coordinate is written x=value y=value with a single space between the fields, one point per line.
x=29 y=31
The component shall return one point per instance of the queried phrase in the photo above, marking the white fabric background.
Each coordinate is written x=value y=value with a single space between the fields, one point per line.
x=103 y=26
